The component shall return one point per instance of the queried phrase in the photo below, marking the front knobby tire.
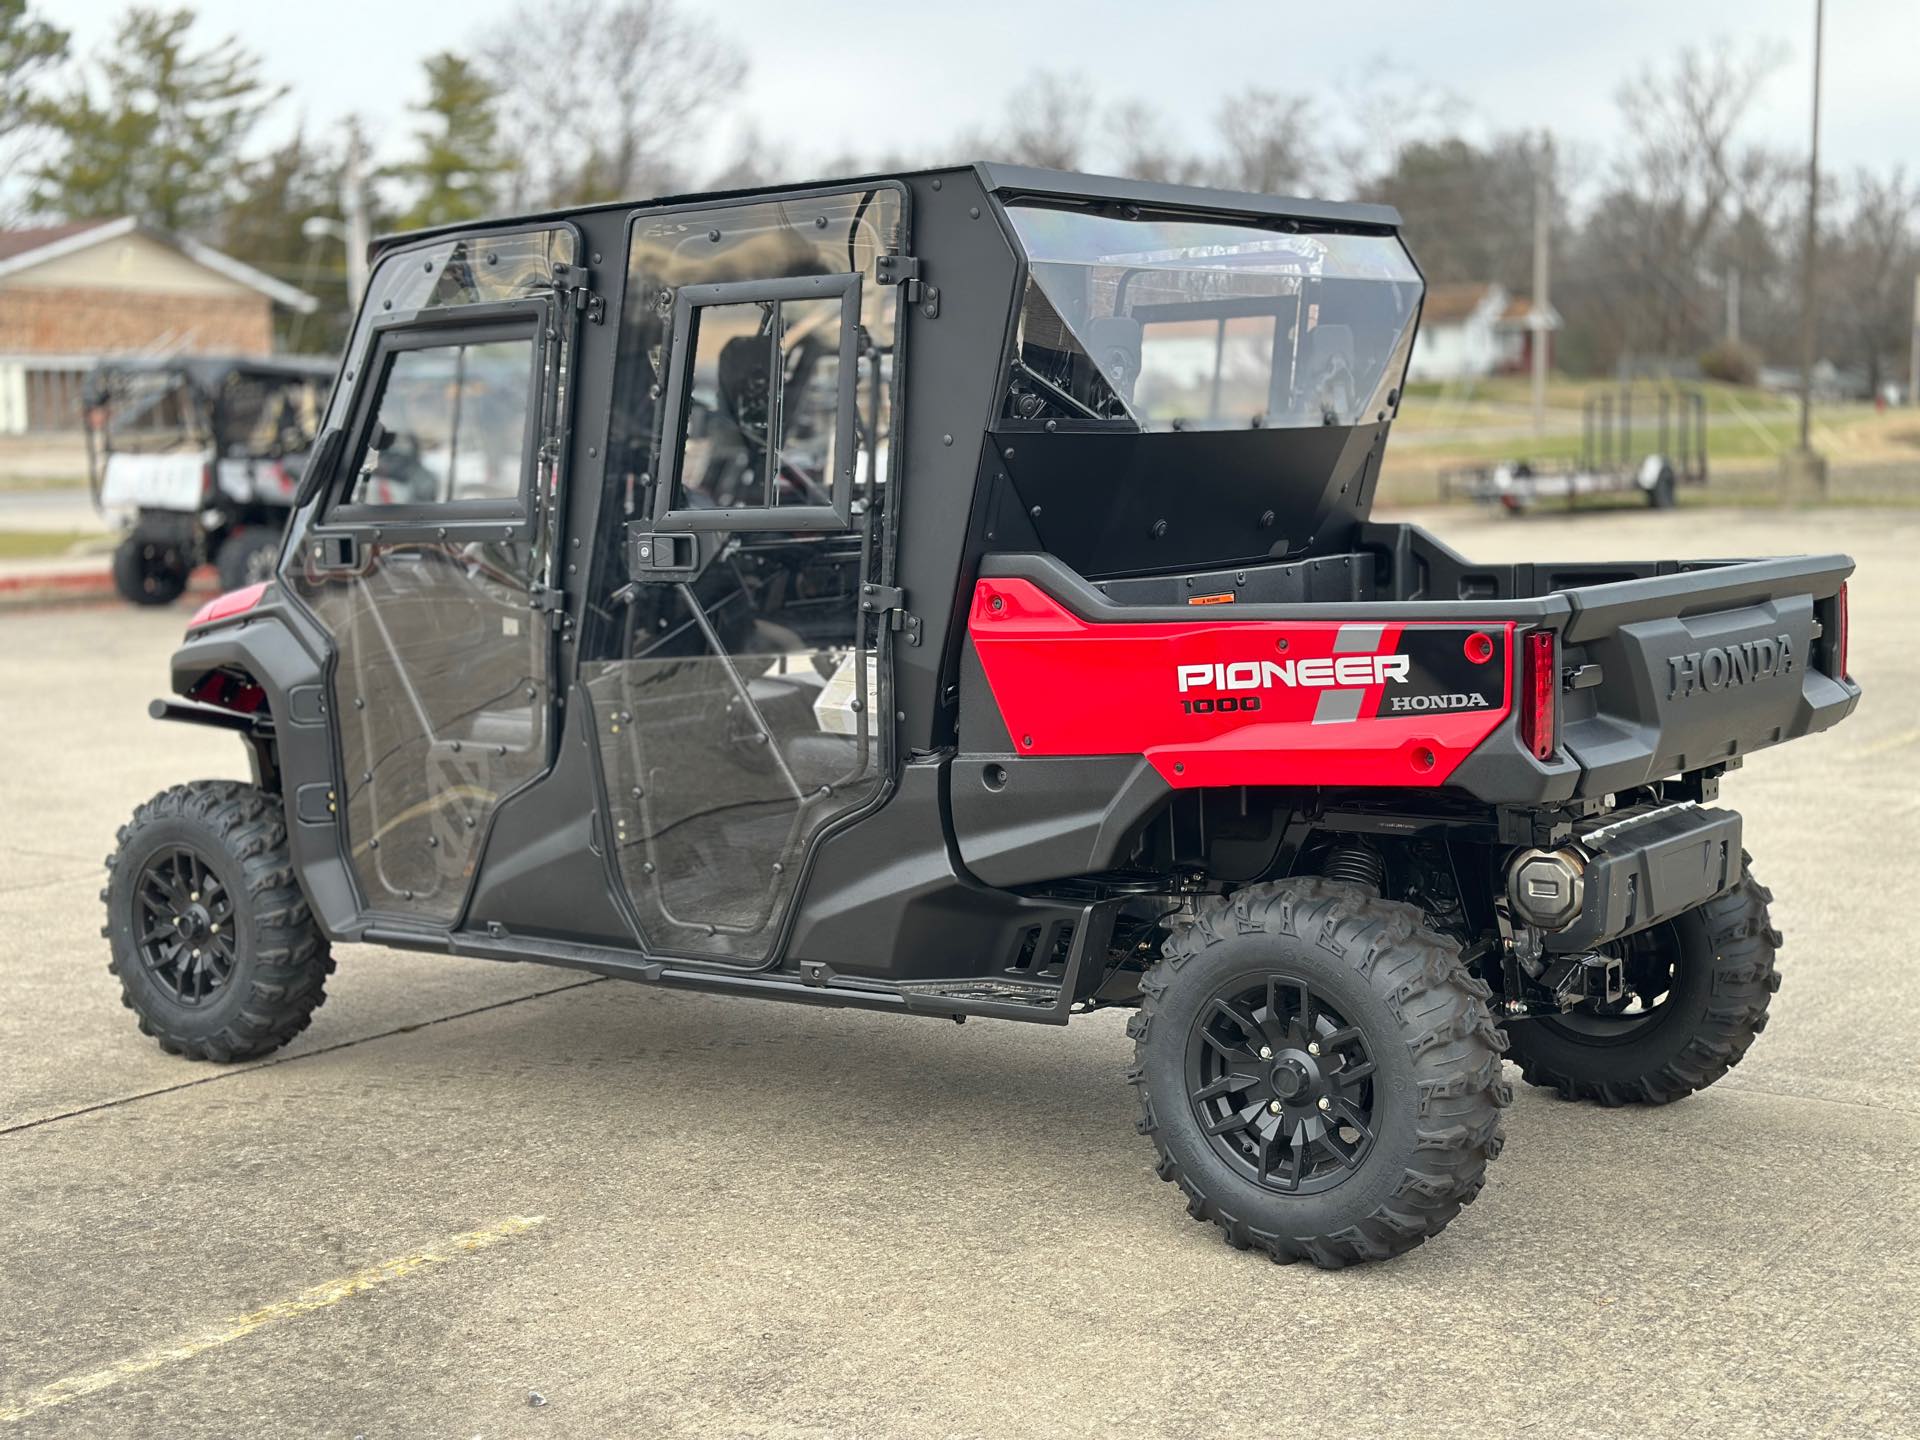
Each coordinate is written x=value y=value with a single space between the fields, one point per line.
x=212 y=941
x=1366 y=1008
x=1700 y=986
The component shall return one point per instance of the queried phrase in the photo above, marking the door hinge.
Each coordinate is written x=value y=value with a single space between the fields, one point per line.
x=550 y=603
x=890 y=602
x=904 y=271
x=575 y=284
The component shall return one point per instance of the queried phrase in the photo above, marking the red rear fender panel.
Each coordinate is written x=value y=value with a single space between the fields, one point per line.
x=1218 y=701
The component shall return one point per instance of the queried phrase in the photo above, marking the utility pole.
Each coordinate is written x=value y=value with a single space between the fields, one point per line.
x=1913 y=358
x=353 y=207
x=1733 y=305
x=1807 y=258
x=1803 y=474
x=1539 y=323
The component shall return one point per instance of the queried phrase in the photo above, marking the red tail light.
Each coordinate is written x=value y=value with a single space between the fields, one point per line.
x=1538 y=687
x=1840 y=644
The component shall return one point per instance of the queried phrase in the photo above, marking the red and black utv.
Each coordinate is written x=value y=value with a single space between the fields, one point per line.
x=954 y=594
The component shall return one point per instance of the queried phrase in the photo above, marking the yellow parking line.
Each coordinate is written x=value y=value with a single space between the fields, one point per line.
x=75 y=1387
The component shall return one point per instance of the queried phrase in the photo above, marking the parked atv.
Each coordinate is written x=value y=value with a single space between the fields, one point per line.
x=206 y=453
x=954 y=594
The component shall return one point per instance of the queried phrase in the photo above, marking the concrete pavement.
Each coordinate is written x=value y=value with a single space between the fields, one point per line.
x=703 y=1217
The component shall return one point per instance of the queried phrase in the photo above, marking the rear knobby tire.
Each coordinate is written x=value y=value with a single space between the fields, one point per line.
x=148 y=571
x=1437 y=1090
x=275 y=960
x=1723 y=980
x=247 y=557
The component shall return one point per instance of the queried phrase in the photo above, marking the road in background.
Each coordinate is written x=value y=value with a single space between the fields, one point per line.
x=670 y=1214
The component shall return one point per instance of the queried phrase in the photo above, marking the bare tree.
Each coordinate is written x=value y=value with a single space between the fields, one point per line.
x=1142 y=150
x=1383 y=111
x=756 y=159
x=1868 y=265
x=1048 y=124
x=1267 y=142
x=603 y=101
x=1685 y=172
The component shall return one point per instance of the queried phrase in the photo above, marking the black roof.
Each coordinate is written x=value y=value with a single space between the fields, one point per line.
x=1016 y=180
x=1004 y=180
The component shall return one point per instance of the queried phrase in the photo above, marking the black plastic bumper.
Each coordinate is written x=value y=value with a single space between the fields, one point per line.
x=1651 y=867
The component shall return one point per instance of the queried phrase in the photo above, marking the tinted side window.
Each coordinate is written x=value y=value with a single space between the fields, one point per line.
x=450 y=426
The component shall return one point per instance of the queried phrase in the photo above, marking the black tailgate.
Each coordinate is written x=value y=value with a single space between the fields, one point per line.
x=1678 y=672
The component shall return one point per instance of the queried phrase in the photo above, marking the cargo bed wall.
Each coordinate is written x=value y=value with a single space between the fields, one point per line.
x=1665 y=667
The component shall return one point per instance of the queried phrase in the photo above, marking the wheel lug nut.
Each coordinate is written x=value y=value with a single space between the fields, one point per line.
x=216 y=927
x=1274 y=1106
x=1313 y=1047
x=1325 y=1103
x=1266 y=1052
x=195 y=897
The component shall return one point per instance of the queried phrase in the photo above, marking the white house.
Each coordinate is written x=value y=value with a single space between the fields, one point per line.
x=1468 y=332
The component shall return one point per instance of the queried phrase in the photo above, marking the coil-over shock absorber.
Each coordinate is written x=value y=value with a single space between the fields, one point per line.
x=1357 y=863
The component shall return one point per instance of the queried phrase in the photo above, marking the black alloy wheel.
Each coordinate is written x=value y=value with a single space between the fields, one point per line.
x=1281 y=1085
x=184 y=925
x=209 y=933
x=1317 y=1071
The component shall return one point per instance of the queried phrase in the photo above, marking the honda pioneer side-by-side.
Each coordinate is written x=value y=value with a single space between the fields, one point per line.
x=203 y=454
x=955 y=594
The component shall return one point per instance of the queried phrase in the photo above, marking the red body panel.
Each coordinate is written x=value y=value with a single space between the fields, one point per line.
x=1066 y=686
x=225 y=607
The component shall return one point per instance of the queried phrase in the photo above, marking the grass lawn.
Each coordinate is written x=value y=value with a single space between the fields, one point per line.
x=1491 y=420
x=40 y=544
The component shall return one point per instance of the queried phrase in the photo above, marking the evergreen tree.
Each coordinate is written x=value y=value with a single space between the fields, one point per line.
x=29 y=47
x=265 y=226
x=460 y=162
x=161 y=132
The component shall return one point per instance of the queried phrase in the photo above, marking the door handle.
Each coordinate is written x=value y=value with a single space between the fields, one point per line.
x=334 y=554
x=662 y=556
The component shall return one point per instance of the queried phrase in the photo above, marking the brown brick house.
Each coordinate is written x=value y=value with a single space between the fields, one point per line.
x=72 y=294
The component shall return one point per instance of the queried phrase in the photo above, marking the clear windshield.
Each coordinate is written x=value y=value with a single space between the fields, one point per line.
x=1176 y=324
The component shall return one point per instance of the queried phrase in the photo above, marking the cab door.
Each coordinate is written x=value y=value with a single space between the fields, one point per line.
x=424 y=564
x=737 y=657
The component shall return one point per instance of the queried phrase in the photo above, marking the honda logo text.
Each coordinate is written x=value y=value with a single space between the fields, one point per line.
x=1718 y=667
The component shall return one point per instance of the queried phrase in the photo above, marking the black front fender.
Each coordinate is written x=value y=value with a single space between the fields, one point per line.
x=288 y=658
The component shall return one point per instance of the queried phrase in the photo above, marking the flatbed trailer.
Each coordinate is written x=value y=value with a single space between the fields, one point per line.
x=1610 y=462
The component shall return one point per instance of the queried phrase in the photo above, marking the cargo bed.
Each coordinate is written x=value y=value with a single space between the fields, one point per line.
x=1665 y=667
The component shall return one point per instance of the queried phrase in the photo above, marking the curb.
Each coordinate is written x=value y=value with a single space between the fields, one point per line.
x=80 y=587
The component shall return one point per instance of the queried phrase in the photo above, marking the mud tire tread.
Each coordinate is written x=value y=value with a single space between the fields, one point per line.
x=1443 y=1019
x=285 y=963
x=1740 y=932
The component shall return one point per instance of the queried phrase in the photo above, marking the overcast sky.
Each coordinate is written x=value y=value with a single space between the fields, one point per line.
x=831 y=76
